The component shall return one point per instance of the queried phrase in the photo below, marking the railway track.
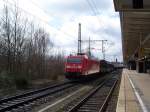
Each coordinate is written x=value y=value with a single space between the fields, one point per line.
x=97 y=99
x=14 y=102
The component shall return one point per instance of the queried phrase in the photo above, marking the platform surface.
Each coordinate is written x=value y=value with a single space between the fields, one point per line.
x=141 y=82
x=134 y=94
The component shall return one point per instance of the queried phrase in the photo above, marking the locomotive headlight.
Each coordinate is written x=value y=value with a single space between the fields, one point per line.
x=74 y=66
x=68 y=66
x=79 y=66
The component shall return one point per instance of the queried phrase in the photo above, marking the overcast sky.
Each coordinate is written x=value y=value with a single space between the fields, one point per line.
x=61 y=17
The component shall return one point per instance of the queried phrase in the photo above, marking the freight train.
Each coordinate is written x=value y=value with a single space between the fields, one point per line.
x=79 y=66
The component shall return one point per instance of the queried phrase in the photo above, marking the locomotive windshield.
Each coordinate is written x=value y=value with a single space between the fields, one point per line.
x=74 y=60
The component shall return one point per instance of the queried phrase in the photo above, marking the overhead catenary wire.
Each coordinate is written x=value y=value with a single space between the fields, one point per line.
x=54 y=15
x=44 y=21
x=97 y=10
x=42 y=8
x=48 y=14
x=93 y=10
x=59 y=30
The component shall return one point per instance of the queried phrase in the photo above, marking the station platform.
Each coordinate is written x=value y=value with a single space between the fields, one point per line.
x=134 y=93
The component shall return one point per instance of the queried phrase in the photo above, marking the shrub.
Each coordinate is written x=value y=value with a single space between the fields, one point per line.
x=21 y=81
x=11 y=80
x=6 y=80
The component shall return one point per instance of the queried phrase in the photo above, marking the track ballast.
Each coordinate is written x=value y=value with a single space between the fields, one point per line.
x=97 y=99
x=17 y=101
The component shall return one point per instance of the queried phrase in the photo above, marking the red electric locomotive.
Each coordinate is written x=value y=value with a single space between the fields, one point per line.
x=81 y=66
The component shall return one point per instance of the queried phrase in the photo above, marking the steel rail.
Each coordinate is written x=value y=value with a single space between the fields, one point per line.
x=74 y=109
x=32 y=97
x=30 y=93
x=87 y=97
x=102 y=109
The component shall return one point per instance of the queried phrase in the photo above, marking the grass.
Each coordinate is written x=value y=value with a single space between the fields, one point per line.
x=13 y=80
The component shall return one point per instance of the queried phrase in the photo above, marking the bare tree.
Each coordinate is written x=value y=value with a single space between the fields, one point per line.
x=7 y=37
x=25 y=49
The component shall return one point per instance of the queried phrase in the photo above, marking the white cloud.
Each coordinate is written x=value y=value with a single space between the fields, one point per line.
x=61 y=17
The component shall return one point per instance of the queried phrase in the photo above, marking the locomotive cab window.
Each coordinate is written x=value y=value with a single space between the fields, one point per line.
x=74 y=60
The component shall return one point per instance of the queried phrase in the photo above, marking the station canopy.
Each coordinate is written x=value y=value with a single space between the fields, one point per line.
x=132 y=5
x=135 y=27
